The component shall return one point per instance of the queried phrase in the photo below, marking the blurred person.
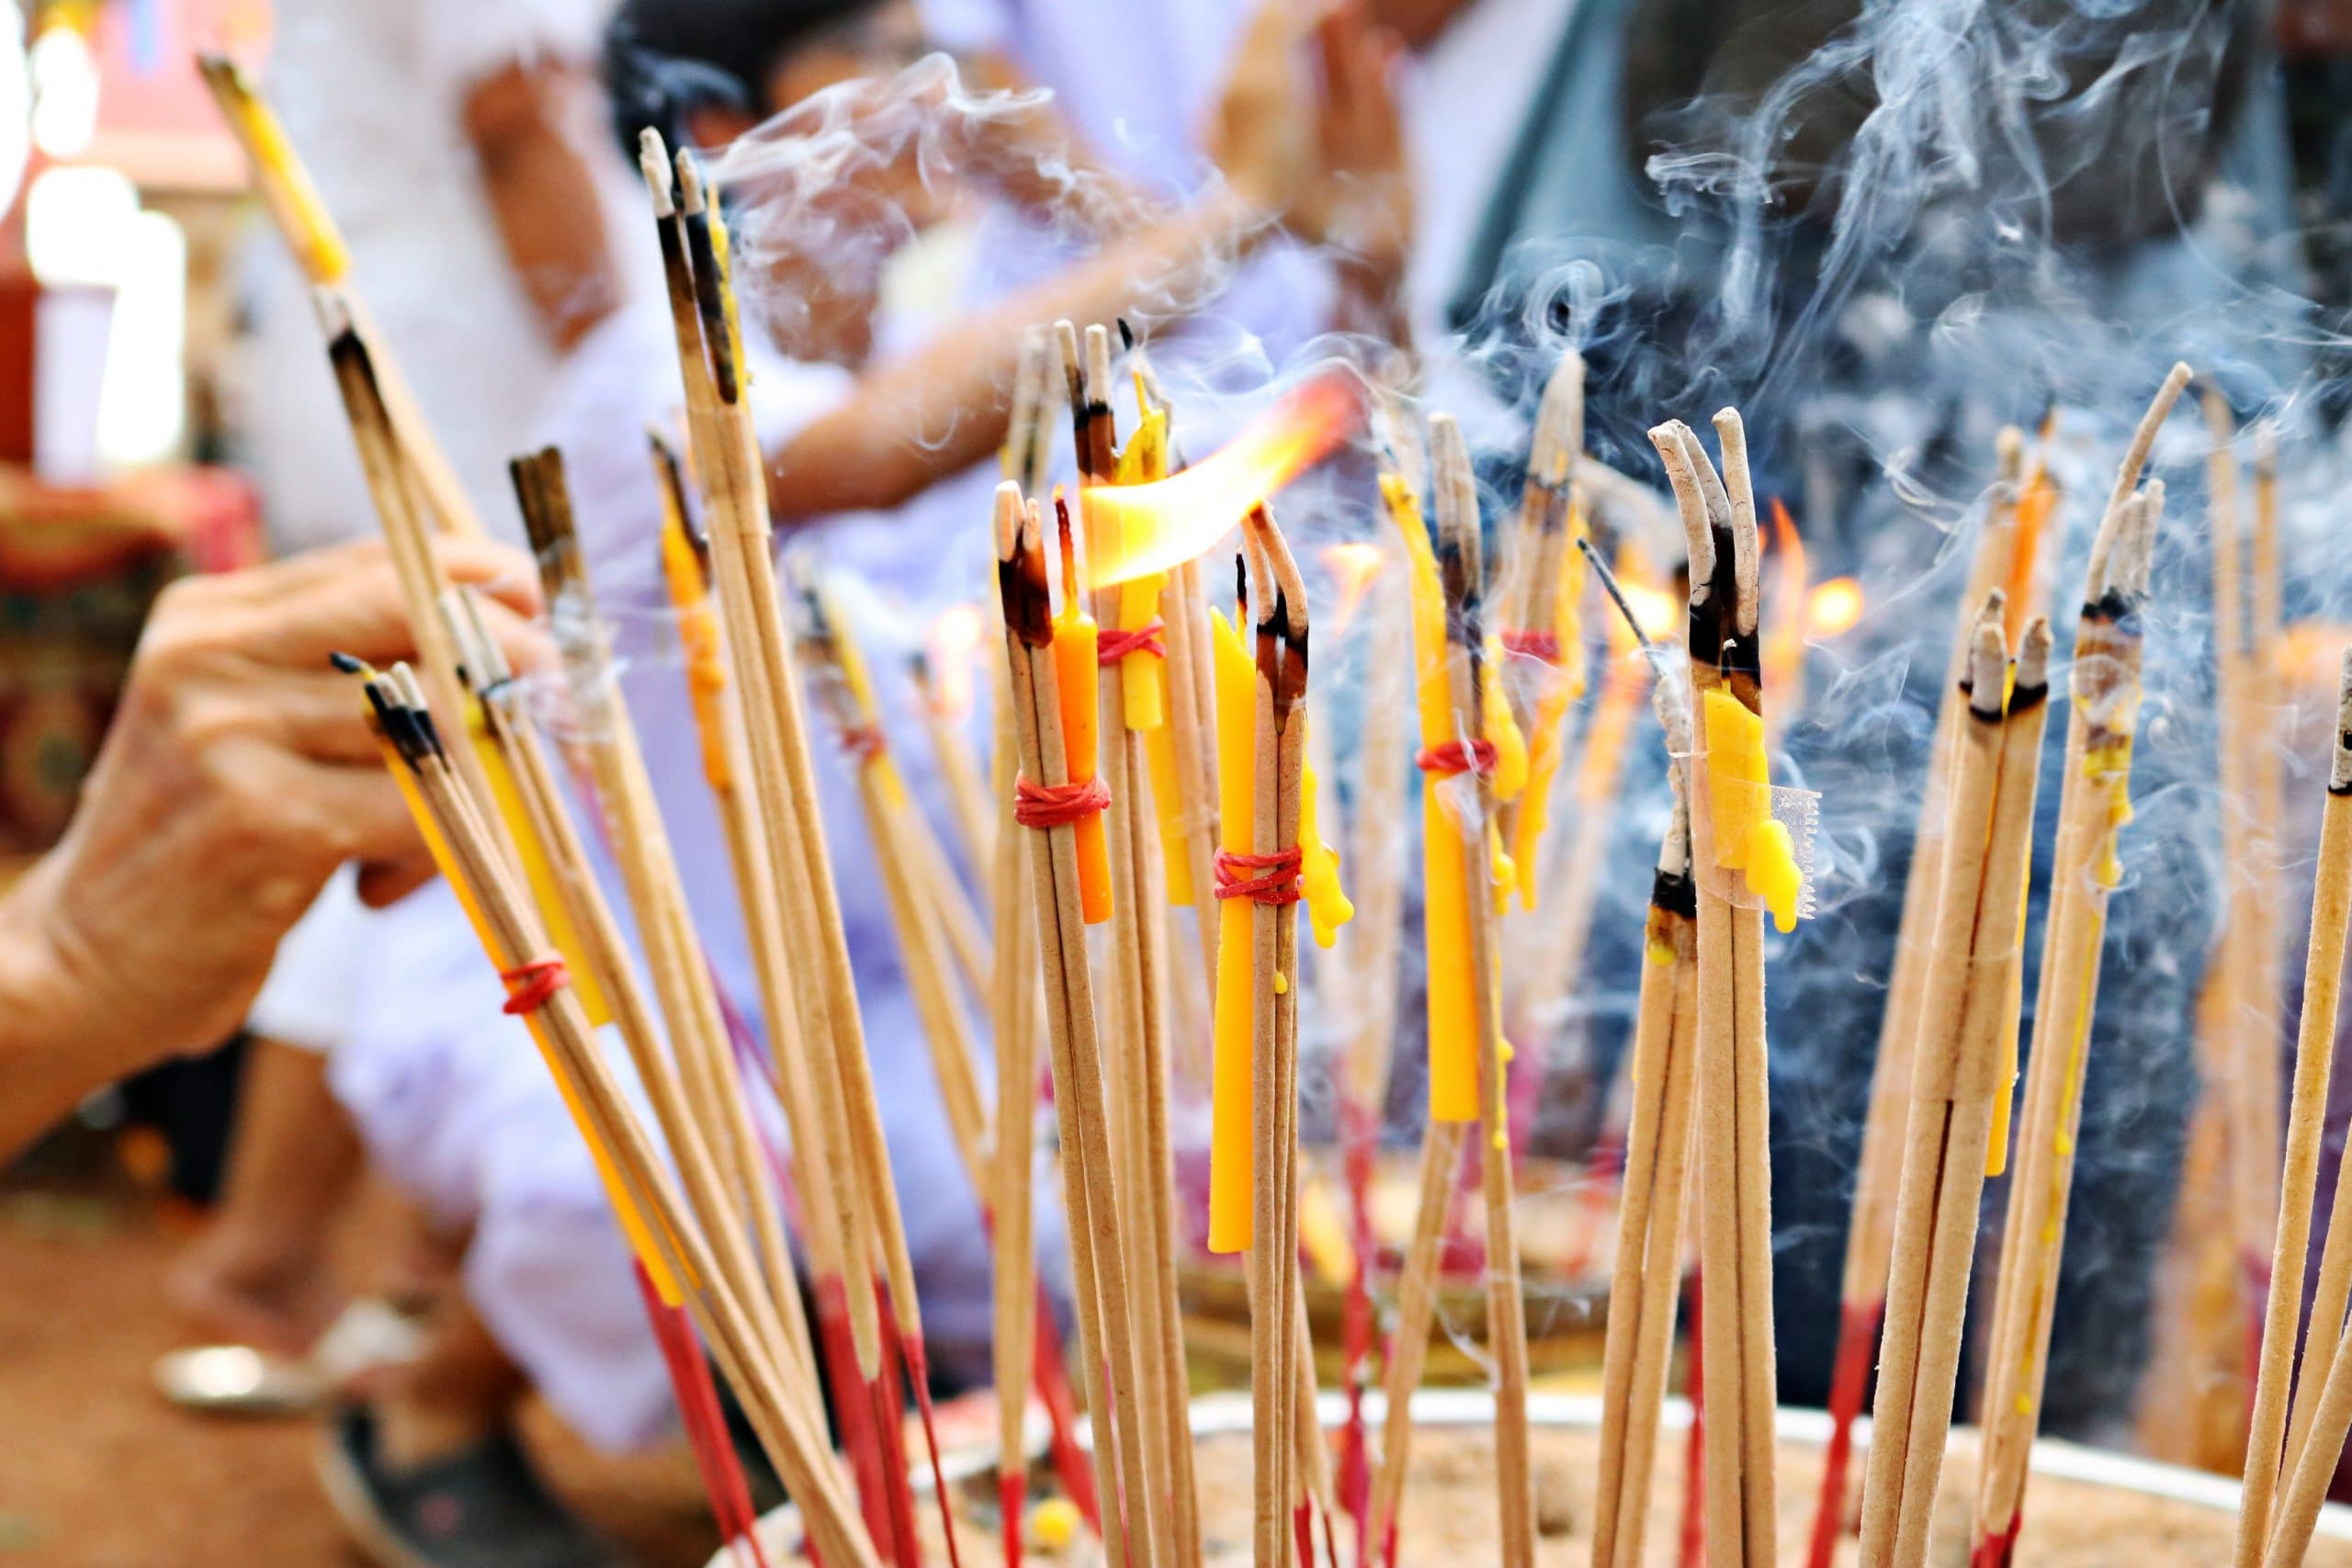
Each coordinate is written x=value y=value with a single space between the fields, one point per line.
x=462 y=167
x=877 y=435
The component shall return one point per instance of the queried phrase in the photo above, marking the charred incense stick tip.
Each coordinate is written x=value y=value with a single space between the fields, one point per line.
x=2134 y=559
x=1710 y=481
x=1988 y=661
x=2339 y=779
x=349 y=665
x=1698 y=536
x=694 y=199
x=1005 y=525
x=653 y=162
x=335 y=322
x=1073 y=364
x=1731 y=432
x=2033 y=662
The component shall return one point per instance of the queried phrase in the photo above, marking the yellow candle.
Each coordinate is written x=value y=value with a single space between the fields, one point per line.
x=1328 y=907
x=1748 y=839
x=1563 y=686
x=1445 y=904
x=1168 y=804
x=1142 y=676
x=1232 y=1157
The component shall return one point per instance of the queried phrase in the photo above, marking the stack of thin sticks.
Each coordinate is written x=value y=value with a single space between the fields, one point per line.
x=2094 y=806
x=1728 y=819
x=777 y=1393
x=2284 y=1491
x=1869 y=1235
x=1960 y=1077
x=1459 y=832
x=1645 y=1284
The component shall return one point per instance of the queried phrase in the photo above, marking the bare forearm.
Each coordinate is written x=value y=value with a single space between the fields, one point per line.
x=543 y=197
x=938 y=411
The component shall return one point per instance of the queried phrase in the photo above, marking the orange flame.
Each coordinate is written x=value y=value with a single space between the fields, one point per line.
x=1151 y=527
x=1784 y=641
x=1352 y=565
x=952 y=642
x=1832 y=607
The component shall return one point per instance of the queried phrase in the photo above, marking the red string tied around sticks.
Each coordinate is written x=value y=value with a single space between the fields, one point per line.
x=865 y=741
x=530 y=986
x=1533 y=643
x=1277 y=882
x=1453 y=758
x=1057 y=806
x=1117 y=643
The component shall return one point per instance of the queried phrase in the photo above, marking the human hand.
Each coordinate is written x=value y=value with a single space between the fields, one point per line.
x=239 y=772
x=1360 y=200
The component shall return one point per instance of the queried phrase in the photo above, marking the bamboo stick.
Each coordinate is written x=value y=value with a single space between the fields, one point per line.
x=1460 y=567
x=1734 y=1158
x=1097 y=1257
x=2092 y=808
x=2326 y=1387
x=1969 y=1021
x=1646 y=1281
x=513 y=940
x=1870 y=1236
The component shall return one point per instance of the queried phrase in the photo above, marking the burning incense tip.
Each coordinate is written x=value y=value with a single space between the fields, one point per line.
x=2340 y=781
x=1152 y=527
x=350 y=665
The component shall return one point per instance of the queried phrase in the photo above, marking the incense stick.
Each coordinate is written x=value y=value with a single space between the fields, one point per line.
x=2104 y=696
x=1968 y=1025
x=1734 y=1160
x=513 y=940
x=1098 y=1266
x=2325 y=1389
x=1458 y=556
x=1649 y=1273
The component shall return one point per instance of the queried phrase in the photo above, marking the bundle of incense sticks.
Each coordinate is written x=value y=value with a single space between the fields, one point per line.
x=846 y=692
x=1646 y=1283
x=1539 y=634
x=1959 y=1076
x=2094 y=806
x=1742 y=858
x=1461 y=845
x=1869 y=1235
x=1129 y=681
x=2281 y=1500
x=503 y=770
x=678 y=1254
x=877 y=1277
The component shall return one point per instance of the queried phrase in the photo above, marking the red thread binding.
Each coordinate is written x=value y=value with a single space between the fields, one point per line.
x=1057 y=806
x=1453 y=758
x=1115 y=645
x=530 y=986
x=1279 y=884
x=865 y=741
x=1533 y=643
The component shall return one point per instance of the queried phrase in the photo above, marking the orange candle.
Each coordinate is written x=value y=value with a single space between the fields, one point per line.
x=1232 y=1157
x=1075 y=672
